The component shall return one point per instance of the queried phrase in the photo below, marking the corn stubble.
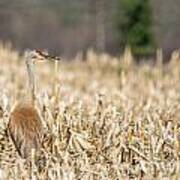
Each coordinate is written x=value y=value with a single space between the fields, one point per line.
x=108 y=118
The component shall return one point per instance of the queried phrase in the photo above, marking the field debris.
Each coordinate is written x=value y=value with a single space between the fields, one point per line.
x=113 y=118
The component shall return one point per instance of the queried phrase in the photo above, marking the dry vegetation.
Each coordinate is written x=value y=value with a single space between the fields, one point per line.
x=110 y=119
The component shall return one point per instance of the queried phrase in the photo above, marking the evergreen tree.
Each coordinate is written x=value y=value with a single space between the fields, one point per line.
x=134 y=22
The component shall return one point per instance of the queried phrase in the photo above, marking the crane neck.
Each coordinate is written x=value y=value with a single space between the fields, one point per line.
x=31 y=79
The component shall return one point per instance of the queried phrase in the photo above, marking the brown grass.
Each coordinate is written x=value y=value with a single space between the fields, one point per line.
x=113 y=119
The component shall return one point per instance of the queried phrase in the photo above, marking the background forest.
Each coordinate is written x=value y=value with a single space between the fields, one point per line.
x=74 y=25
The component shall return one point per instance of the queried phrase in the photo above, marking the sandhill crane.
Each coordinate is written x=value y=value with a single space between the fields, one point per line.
x=24 y=126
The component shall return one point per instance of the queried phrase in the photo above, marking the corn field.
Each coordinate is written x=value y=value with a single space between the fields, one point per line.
x=110 y=118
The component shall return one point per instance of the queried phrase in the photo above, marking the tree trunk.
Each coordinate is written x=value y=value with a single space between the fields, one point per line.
x=100 y=25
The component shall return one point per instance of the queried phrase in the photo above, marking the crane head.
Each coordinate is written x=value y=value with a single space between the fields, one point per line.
x=40 y=55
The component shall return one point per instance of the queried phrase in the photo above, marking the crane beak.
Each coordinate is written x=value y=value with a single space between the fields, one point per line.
x=44 y=55
x=53 y=58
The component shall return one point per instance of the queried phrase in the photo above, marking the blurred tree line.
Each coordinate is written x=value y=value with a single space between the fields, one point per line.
x=70 y=26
